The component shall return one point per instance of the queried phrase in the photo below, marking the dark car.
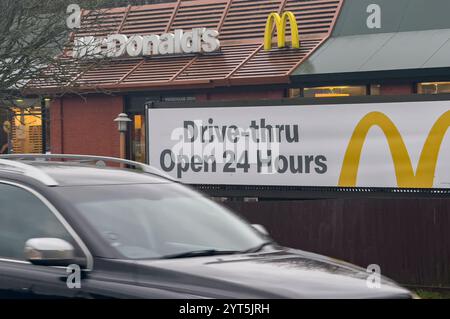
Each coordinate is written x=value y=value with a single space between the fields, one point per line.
x=73 y=227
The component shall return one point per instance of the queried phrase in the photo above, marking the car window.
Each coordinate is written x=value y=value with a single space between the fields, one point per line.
x=143 y=221
x=24 y=216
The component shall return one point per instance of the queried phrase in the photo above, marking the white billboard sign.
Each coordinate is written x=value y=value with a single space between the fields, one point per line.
x=357 y=145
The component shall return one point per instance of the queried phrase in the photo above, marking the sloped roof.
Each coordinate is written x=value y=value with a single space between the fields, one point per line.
x=241 y=60
x=414 y=35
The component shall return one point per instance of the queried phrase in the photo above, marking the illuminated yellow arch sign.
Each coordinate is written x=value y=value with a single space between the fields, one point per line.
x=280 y=22
x=406 y=177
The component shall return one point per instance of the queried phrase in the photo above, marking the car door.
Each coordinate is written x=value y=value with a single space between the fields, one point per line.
x=23 y=215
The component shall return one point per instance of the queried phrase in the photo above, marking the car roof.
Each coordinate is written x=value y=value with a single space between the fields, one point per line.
x=53 y=173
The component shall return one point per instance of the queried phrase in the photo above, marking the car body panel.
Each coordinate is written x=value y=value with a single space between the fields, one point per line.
x=278 y=274
x=75 y=175
x=272 y=273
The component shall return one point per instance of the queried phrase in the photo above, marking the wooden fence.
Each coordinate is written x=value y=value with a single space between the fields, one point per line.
x=408 y=238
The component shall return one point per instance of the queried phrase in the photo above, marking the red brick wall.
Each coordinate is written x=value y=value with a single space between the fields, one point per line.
x=85 y=126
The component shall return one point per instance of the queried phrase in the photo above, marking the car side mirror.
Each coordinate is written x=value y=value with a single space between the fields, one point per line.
x=49 y=252
x=261 y=229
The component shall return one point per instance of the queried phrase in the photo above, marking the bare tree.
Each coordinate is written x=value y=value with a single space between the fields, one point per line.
x=34 y=37
x=36 y=52
x=30 y=37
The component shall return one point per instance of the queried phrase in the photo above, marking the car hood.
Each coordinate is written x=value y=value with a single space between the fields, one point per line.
x=283 y=273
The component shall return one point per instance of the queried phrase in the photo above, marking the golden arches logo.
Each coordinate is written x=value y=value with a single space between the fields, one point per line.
x=406 y=178
x=281 y=24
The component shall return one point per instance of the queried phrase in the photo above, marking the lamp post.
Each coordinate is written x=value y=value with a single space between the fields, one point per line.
x=122 y=121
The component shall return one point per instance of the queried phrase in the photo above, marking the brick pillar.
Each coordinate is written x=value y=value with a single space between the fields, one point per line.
x=56 y=126
x=85 y=125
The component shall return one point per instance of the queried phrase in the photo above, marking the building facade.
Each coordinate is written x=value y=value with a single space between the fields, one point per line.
x=240 y=70
x=348 y=48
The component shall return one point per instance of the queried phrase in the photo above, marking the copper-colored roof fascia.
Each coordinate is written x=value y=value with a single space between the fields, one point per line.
x=174 y=14
x=124 y=19
x=280 y=9
x=173 y=78
x=225 y=42
x=193 y=84
x=222 y=19
x=153 y=6
x=79 y=75
x=224 y=15
x=282 y=6
x=180 y=85
x=327 y=36
x=317 y=36
x=306 y=56
x=151 y=84
x=257 y=80
x=48 y=91
x=243 y=62
x=227 y=80
x=106 y=10
x=198 y=84
x=336 y=16
x=199 y=2
x=313 y=37
x=71 y=39
x=131 y=71
x=167 y=87
x=241 y=41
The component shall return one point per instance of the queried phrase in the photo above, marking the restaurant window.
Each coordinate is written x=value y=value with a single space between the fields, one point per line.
x=329 y=91
x=26 y=130
x=22 y=128
x=295 y=92
x=335 y=91
x=433 y=87
x=375 y=89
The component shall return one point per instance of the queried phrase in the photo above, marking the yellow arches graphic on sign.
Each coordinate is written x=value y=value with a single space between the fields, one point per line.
x=406 y=178
x=281 y=24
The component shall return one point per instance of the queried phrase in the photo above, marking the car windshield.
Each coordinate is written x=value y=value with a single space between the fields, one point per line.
x=161 y=220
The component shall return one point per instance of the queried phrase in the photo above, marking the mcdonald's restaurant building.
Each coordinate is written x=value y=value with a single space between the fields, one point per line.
x=347 y=51
x=361 y=104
